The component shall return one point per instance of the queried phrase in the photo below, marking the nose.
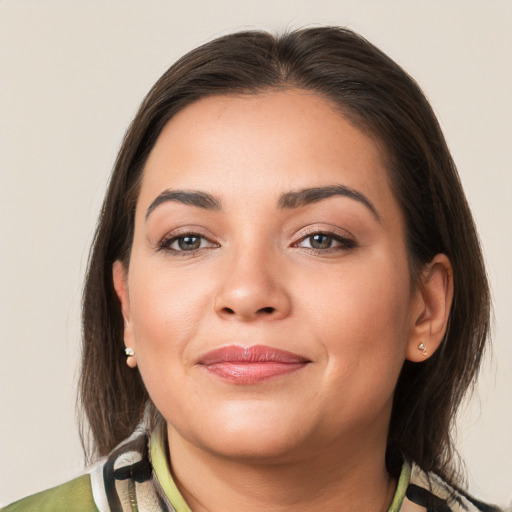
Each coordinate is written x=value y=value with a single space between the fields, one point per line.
x=252 y=288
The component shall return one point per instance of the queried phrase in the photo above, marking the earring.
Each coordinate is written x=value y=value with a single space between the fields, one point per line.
x=130 y=357
x=422 y=349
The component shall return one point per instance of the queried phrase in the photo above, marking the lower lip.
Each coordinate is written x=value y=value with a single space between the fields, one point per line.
x=252 y=373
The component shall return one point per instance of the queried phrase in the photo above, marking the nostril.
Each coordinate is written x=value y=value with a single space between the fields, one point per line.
x=268 y=310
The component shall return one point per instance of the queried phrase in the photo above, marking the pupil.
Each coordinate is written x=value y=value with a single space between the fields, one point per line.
x=320 y=241
x=188 y=243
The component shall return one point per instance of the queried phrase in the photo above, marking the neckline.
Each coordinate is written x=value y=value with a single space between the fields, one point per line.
x=159 y=461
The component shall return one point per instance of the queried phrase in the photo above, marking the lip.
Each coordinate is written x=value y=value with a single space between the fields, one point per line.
x=251 y=365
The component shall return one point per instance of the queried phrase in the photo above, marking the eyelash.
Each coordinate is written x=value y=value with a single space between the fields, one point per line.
x=167 y=242
x=345 y=243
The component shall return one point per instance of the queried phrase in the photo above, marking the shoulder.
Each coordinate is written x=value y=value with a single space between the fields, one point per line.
x=73 y=496
x=118 y=482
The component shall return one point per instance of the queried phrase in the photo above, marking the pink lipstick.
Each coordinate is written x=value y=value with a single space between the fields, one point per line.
x=250 y=365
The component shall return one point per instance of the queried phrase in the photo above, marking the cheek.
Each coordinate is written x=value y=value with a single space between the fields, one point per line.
x=167 y=313
x=167 y=310
x=362 y=320
x=374 y=299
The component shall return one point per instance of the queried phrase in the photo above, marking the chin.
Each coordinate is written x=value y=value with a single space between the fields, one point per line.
x=254 y=446
x=252 y=436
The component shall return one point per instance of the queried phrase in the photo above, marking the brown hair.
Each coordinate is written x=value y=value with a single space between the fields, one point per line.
x=381 y=99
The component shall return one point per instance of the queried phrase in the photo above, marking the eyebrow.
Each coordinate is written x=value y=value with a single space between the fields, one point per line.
x=189 y=197
x=307 y=196
x=288 y=200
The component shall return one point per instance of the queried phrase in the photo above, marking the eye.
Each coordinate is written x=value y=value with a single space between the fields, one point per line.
x=321 y=241
x=318 y=241
x=187 y=242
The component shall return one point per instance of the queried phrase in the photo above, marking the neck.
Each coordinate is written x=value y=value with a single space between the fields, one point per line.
x=332 y=479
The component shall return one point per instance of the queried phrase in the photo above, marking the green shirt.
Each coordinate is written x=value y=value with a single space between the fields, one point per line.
x=136 y=477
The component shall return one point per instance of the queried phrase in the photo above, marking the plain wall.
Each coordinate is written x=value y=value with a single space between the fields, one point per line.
x=72 y=74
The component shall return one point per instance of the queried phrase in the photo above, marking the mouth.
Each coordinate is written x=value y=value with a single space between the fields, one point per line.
x=251 y=365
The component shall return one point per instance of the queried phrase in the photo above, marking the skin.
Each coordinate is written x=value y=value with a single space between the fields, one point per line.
x=309 y=439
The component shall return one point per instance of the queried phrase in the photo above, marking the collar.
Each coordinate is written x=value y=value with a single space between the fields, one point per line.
x=158 y=454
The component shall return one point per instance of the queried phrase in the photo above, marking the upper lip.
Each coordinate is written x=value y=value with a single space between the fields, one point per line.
x=252 y=354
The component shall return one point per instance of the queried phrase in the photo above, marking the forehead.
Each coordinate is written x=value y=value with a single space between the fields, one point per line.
x=261 y=145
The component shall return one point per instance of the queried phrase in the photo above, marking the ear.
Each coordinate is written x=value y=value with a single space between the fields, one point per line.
x=120 y=279
x=431 y=309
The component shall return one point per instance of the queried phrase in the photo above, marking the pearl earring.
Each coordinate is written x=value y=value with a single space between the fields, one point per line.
x=130 y=357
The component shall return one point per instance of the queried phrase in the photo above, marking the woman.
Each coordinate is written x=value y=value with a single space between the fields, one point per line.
x=286 y=299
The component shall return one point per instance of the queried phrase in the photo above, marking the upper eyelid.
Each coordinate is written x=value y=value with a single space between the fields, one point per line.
x=173 y=235
x=340 y=239
x=300 y=234
x=331 y=231
x=344 y=238
x=164 y=243
x=190 y=230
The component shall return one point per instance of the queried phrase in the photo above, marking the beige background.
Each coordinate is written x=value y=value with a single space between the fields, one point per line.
x=71 y=76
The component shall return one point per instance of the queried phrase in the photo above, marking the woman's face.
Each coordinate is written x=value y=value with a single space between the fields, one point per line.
x=268 y=296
